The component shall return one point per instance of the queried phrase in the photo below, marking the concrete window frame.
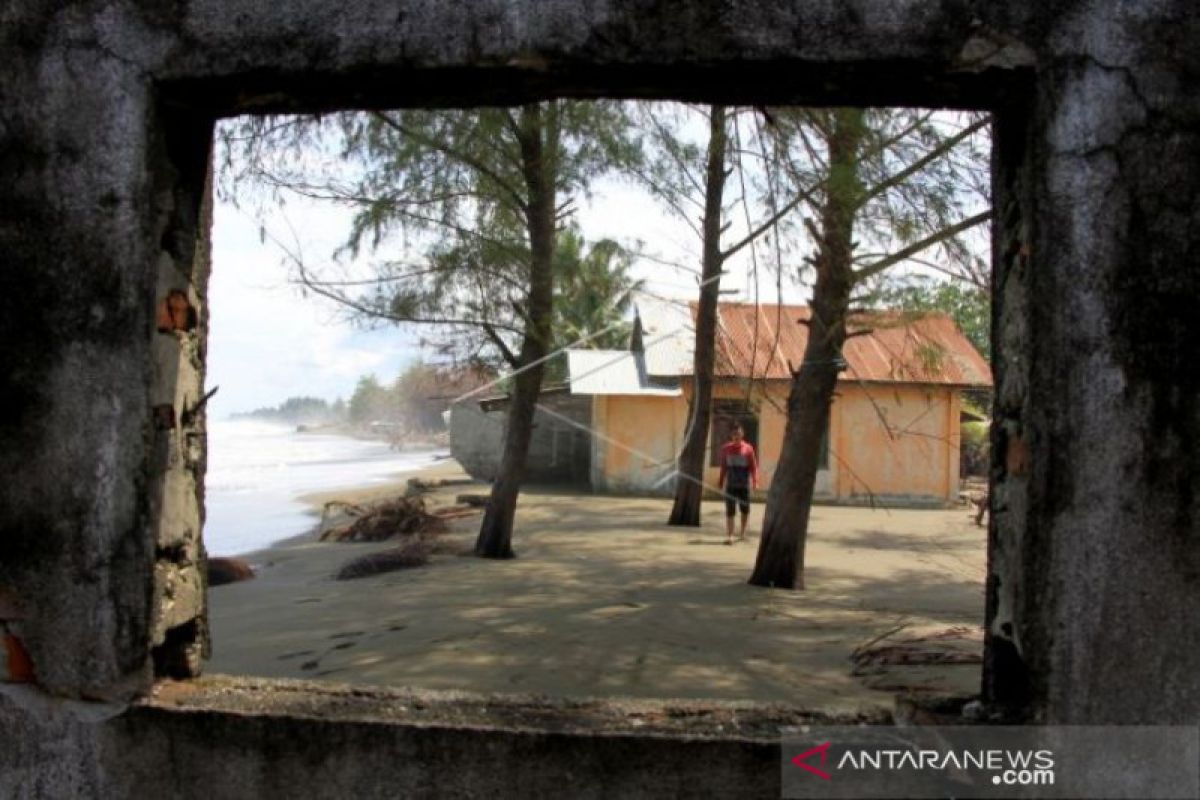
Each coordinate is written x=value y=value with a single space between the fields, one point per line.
x=106 y=127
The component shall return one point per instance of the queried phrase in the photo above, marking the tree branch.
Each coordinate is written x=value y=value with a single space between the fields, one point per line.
x=465 y=158
x=505 y=353
x=671 y=147
x=772 y=220
x=358 y=306
x=924 y=161
x=916 y=247
x=880 y=147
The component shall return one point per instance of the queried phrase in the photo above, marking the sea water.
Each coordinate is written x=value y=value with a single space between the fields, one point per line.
x=257 y=471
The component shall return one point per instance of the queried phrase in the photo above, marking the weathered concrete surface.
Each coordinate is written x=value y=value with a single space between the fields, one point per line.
x=315 y=53
x=559 y=449
x=105 y=117
x=1096 y=540
x=255 y=738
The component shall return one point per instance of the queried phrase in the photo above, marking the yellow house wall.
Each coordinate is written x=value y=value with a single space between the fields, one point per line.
x=896 y=442
x=638 y=442
x=893 y=441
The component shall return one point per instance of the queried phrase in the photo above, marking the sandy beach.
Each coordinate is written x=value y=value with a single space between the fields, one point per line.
x=605 y=600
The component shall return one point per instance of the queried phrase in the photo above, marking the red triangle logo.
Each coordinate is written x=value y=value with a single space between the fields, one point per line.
x=823 y=750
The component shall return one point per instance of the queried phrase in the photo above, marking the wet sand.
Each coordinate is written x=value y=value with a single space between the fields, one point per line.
x=604 y=600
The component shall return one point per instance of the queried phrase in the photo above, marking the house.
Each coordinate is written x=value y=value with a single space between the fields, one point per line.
x=559 y=448
x=893 y=433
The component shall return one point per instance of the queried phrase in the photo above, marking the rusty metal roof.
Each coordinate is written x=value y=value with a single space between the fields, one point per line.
x=768 y=341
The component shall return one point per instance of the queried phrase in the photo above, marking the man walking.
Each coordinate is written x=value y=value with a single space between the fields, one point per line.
x=739 y=473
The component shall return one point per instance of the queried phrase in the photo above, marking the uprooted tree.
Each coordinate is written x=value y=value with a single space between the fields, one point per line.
x=482 y=196
x=901 y=180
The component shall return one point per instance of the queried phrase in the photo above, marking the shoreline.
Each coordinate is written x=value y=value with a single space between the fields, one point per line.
x=393 y=484
x=605 y=600
x=314 y=501
x=260 y=473
x=400 y=441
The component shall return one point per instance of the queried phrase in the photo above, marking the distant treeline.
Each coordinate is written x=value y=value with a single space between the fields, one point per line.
x=415 y=401
x=301 y=411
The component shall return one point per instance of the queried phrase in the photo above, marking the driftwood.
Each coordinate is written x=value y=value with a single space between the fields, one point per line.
x=473 y=500
x=457 y=512
x=406 y=519
x=404 y=516
x=413 y=552
x=338 y=507
x=419 y=485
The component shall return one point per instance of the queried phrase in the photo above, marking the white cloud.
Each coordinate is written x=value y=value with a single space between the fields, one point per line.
x=266 y=341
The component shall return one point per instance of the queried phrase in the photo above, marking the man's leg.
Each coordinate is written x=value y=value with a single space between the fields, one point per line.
x=744 y=507
x=729 y=503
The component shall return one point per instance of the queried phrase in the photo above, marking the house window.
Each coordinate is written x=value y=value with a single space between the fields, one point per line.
x=725 y=414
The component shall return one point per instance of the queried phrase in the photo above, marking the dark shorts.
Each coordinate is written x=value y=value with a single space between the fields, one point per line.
x=739 y=496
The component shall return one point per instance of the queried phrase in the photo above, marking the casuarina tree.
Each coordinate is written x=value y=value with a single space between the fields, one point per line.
x=899 y=180
x=688 y=178
x=480 y=196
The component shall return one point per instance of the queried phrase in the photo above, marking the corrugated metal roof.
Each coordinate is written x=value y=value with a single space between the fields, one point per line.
x=612 y=372
x=768 y=341
x=668 y=335
x=900 y=348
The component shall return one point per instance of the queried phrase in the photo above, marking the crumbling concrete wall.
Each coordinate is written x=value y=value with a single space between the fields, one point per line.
x=559 y=449
x=101 y=342
x=1096 y=534
x=253 y=739
x=106 y=112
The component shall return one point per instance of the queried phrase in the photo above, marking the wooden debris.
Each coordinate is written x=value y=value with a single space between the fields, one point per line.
x=473 y=500
x=419 y=485
x=456 y=512
x=404 y=516
x=956 y=645
x=413 y=552
x=336 y=507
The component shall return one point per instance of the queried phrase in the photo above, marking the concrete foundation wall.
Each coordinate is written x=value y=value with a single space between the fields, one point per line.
x=106 y=112
x=265 y=740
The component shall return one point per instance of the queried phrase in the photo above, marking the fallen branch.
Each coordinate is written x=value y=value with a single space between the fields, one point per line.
x=404 y=516
x=862 y=648
x=412 y=553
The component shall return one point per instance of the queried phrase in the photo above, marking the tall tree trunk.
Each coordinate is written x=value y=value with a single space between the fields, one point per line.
x=689 y=487
x=780 y=560
x=539 y=155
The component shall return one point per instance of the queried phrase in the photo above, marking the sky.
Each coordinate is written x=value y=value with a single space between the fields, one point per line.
x=268 y=342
